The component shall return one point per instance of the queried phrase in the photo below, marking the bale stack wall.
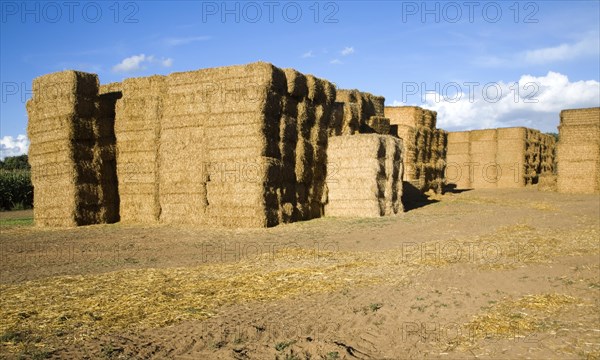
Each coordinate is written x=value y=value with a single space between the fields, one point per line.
x=498 y=158
x=425 y=146
x=365 y=177
x=71 y=151
x=578 y=152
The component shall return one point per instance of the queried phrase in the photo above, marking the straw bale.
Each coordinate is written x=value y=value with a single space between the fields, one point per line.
x=378 y=124
x=547 y=182
x=579 y=133
x=578 y=152
x=483 y=135
x=484 y=147
x=405 y=115
x=458 y=137
x=429 y=119
x=514 y=133
x=296 y=83
x=585 y=116
x=457 y=148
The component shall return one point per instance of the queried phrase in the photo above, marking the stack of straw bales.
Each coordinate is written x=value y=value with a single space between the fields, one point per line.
x=366 y=179
x=137 y=129
x=308 y=107
x=72 y=151
x=239 y=146
x=425 y=146
x=578 y=151
x=358 y=113
x=498 y=158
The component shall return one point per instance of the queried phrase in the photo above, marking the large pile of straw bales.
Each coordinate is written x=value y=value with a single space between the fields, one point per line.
x=366 y=179
x=425 y=146
x=72 y=151
x=498 y=158
x=578 y=151
x=239 y=146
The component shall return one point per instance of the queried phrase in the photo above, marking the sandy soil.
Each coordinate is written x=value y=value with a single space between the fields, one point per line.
x=499 y=274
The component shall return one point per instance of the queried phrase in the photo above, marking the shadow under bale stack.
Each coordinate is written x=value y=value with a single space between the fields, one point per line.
x=578 y=151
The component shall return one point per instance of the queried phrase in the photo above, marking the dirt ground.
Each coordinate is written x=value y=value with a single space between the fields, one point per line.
x=492 y=274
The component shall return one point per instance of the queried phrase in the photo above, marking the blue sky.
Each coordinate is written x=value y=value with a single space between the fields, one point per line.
x=491 y=64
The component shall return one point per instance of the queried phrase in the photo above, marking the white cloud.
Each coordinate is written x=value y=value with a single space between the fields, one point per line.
x=587 y=45
x=308 y=54
x=137 y=62
x=10 y=146
x=347 y=50
x=531 y=101
x=185 y=40
x=130 y=64
x=336 y=62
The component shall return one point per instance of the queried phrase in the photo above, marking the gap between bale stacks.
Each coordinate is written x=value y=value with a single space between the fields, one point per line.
x=365 y=176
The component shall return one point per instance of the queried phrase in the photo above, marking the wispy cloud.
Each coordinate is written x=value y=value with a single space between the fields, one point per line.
x=336 y=62
x=177 y=41
x=308 y=54
x=138 y=62
x=348 y=50
x=587 y=45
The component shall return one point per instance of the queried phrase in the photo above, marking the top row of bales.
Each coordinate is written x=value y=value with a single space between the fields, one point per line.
x=499 y=158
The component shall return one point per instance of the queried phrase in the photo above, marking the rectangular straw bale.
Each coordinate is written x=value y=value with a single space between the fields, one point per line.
x=578 y=152
x=483 y=135
x=458 y=137
x=458 y=148
x=405 y=115
x=512 y=133
x=585 y=116
x=379 y=125
x=429 y=118
x=579 y=133
x=510 y=174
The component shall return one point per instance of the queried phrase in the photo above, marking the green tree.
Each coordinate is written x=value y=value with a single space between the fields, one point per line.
x=15 y=163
